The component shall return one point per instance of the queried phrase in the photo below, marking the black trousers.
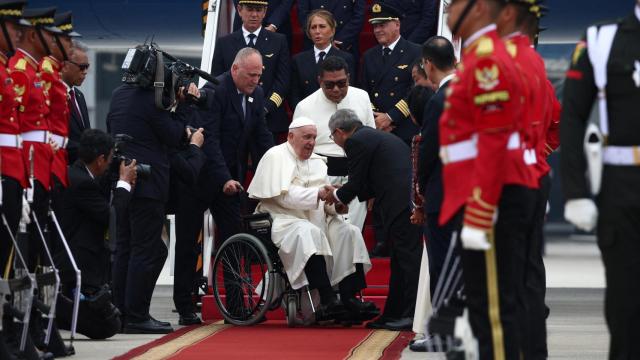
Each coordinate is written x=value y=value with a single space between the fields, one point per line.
x=139 y=256
x=189 y=220
x=12 y=210
x=619 y=242
x=36 y=250
x=438 y=240
x=491 y=278
x=533 y=283
x=405 y=253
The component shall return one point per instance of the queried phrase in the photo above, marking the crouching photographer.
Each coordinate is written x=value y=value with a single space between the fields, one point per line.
x=84 y=219
x=150 y=107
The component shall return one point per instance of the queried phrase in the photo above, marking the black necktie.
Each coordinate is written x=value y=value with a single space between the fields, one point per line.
x=321 y=56
x=385 y=54
x=252 y=40
x=74 y=107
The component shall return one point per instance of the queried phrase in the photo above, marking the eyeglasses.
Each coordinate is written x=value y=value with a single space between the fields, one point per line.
x=82 y=67
x=333 y=132
x=341 y=84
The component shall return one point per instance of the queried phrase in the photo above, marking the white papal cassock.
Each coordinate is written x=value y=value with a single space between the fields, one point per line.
x=302 y=225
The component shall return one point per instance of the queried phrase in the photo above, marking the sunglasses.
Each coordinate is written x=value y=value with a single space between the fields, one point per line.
x=82 y=67
x=329 y=85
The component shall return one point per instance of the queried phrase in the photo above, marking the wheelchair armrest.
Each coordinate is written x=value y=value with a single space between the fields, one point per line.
x=258 y=224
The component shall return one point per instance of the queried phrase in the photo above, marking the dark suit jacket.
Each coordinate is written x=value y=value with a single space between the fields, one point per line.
x=76 y=125
x=133 y=112
x=275 y=74
x=419 y=18
x=84 y=219
x=231 y=137
x=389 y=82
x=430 y=166
x=349 y=15
x=278 y=14
x=380 y=168
x=304 y=73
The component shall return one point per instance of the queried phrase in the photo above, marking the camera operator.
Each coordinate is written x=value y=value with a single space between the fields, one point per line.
x=84 y=219
x=139 y=251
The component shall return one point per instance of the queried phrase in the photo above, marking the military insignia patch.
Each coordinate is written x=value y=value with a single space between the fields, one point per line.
x=269 y=55
x=402 y=67
x=37 y=84
x=376 y=8
x=488 y=77
x=578 y=51
x=19 y=90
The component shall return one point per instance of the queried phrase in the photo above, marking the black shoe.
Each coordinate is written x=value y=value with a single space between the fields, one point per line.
x=161 y=323
x=334 y=309
x=378 y=323
x=146 y=327
x=402 y=324
x=360 y=310
x=189 y=319
x=380 y=250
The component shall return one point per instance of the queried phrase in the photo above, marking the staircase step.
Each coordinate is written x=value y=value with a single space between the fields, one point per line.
x=210 y=309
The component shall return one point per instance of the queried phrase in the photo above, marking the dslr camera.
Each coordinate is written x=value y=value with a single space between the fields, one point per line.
x=121 y=141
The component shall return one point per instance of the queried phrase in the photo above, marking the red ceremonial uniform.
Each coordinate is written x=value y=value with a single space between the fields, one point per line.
x=481 y=132
x=32 y=112
x=554 y=109
x=58 y=115
x=12 y=163
x=536 y=117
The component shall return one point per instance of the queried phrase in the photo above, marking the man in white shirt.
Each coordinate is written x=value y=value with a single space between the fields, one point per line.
x=334 y=94
x=317 y=248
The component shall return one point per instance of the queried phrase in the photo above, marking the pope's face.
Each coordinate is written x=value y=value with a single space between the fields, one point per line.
x=303 y=140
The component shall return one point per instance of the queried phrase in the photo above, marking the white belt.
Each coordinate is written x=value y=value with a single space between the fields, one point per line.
x=11 y=140
x=621 y=155
x=468 y=149
x=41 y=136
x=62 y=141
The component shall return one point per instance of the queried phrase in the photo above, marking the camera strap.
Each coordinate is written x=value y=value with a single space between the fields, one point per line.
x=159 y=84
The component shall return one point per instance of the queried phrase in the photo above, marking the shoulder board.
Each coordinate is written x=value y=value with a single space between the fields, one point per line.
x=485 y=46
x=47 y=66
x=21 y=65
x=512 y=49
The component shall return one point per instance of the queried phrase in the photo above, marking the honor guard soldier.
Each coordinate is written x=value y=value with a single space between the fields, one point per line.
x=33 y=111
x=349 y=16
x=518 y=25
x=13 y=174
x=275 y=58
x=386 y=72
x=419 y=18
x=484 y=174
x=50 y=67
x=14 y=178
x=606 y=66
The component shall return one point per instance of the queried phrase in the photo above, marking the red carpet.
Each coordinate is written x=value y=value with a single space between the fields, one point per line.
x=273 y=340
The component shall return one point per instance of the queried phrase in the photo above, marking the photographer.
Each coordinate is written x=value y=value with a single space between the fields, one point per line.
x=84 y=219
x=140 y=252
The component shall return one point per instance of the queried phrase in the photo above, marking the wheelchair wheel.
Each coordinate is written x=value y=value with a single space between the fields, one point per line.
x=243 y=280
x=292 y=309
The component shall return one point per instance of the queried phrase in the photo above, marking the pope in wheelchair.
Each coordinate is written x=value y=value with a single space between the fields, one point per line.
x=316 y=247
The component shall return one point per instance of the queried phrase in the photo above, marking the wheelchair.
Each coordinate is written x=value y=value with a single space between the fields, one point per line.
x=249 y=279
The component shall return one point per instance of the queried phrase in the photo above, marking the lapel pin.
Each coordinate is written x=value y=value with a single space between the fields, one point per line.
x=250 y=99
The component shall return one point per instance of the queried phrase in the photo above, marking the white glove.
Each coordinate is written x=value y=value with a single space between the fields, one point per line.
x=474 y=239
x=582 y=213
x=26 y=210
